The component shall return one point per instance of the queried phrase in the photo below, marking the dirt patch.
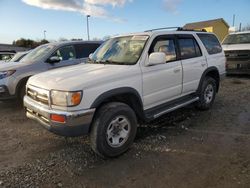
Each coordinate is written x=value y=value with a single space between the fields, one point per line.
x=186 y=148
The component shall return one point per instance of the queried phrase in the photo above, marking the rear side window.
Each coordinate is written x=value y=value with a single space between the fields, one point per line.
x=83 y=50
x=211 y=43
x=189 y=48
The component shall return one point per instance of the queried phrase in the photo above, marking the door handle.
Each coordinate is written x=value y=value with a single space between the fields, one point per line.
x=203 y=64
x=177 y=70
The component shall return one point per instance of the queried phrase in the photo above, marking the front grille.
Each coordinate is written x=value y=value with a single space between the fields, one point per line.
x=237 y=55
x=38 y=95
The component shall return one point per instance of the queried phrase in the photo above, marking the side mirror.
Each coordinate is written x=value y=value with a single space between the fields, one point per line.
x=156 y=58
x=90 y=56
x=54 y=59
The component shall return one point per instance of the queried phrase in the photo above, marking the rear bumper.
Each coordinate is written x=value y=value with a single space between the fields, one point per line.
x=77 y=123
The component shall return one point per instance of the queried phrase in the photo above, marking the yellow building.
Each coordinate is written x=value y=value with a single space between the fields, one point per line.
x=217 y=26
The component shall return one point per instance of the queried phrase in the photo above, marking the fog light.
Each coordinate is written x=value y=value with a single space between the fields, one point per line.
x=58 y=118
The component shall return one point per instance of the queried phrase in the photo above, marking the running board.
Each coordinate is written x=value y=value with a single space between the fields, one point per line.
x=176 y=107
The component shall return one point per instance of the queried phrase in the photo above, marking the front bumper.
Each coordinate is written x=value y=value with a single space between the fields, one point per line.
x=77 y=122
x=238 y=67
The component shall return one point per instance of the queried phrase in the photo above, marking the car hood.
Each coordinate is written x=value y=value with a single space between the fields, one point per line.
x=227 y=47
x=80 y=76
x=10 y=66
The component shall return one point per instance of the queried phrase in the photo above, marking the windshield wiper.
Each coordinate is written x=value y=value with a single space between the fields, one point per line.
x=106 y=62
x=91 y=61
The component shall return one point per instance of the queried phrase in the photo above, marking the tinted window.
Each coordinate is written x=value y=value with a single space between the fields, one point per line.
x=83 y=50
x=166 y=46
x=65 y=53
x=189 y=48
x=211 y=43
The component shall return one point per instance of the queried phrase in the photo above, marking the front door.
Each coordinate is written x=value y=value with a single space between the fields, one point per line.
x=67 y=56
x=162 y=82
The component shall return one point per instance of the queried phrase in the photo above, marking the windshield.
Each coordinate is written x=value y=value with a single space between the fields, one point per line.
x=38 y=53
x=17 y=57
x=237 y=39
x=120 y=50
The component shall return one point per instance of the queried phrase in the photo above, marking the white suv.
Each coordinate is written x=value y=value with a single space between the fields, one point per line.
x=129 y=79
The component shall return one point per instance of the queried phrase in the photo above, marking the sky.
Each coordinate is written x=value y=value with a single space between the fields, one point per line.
x=67 y=18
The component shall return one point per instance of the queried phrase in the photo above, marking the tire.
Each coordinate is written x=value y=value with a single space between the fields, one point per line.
x=207 y=94
x=113 y=130
x=20 y=95
x=21 y=92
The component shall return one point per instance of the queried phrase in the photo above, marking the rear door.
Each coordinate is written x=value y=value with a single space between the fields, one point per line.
x=193 y=62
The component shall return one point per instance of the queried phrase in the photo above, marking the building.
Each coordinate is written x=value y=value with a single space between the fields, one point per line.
x=217 y=26
x=9 y=47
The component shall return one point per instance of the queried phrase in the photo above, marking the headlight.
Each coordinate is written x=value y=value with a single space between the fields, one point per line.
x=4 y=74
x=65 y=98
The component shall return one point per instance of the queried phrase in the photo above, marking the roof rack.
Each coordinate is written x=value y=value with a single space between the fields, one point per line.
x=177 y=29
x=183 y=29
x=163 y=28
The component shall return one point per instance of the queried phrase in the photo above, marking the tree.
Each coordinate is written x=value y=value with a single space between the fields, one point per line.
x=28 y=43
x=246 y=28
x=76 y=39
x=62 y=39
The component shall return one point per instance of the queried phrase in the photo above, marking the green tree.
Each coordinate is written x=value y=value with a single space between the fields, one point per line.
x=28 y=43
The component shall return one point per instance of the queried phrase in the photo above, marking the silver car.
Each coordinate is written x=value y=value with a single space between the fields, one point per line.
x=14 y=75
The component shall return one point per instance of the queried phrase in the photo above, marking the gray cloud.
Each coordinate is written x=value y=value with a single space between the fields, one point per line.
x=94 y=8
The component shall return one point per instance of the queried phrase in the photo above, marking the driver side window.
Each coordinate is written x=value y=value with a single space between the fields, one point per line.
x=65 y=53
x=166 y=46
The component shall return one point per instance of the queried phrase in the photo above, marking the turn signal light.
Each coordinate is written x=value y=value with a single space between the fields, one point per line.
x=58 y=118
x=76 y=98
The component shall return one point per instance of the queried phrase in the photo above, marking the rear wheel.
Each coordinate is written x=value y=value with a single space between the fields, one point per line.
x=207 y=94
x=113 y=129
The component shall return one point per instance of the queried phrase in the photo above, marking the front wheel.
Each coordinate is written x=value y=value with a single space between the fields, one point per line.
x=207 y=94
x=113 y=129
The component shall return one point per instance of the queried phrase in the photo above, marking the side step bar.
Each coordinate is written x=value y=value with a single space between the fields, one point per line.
x=176 y=107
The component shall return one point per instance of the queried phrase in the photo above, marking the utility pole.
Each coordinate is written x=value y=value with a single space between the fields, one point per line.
x=44 y=34
x=233 y=19
x=88 y=25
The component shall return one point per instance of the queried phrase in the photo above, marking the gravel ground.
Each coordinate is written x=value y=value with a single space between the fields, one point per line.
x=186 y=148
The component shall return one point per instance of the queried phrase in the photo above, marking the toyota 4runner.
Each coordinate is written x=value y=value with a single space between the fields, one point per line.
x=128 y=80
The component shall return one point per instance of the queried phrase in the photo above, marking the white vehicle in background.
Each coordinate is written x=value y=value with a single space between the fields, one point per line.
x=129 y=79
x=237 y=50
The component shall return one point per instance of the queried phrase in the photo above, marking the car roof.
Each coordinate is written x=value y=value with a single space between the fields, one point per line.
x=75 y=42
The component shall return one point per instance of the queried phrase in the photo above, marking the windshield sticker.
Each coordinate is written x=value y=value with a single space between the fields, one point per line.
x=139 y=37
